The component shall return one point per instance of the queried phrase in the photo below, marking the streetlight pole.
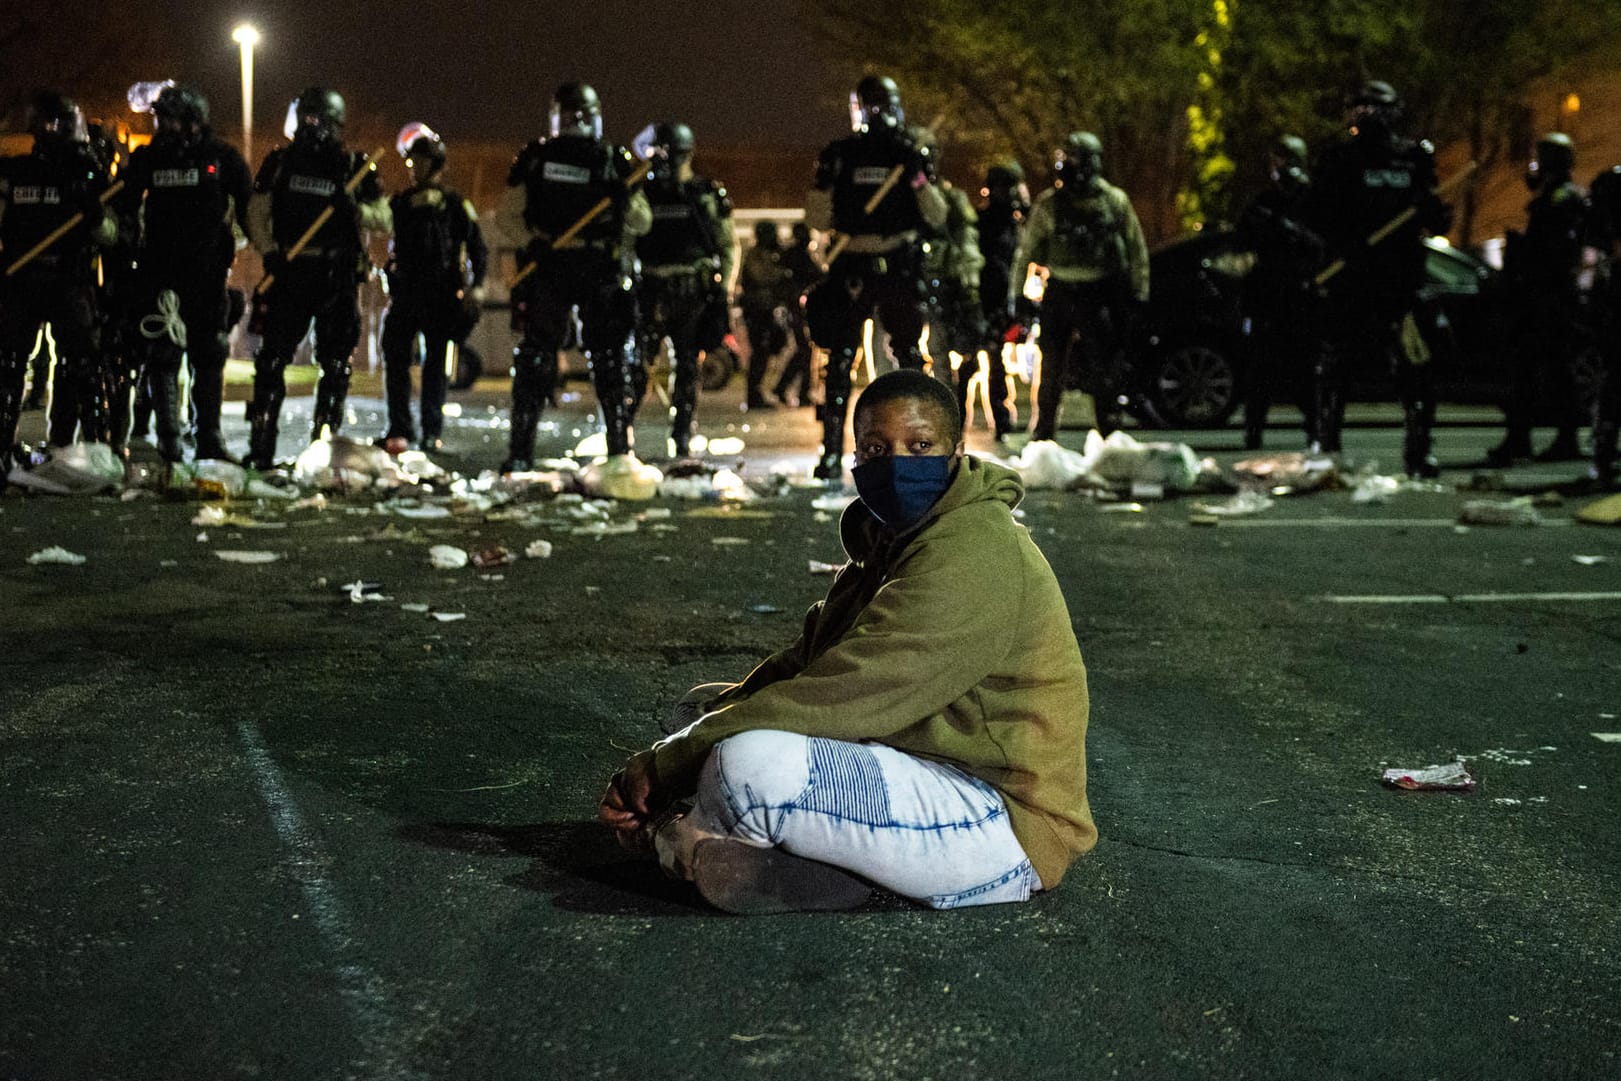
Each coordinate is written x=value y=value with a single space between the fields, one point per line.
x=247 y=37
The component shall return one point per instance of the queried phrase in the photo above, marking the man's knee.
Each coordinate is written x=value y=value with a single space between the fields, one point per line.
x=760 y=769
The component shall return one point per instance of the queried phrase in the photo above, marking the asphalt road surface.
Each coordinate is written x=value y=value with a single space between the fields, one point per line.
x=252 y=828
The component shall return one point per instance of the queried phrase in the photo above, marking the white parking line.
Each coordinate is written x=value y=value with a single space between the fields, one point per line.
x=1367 y=523
x=1466 y=598
x=379 y=1031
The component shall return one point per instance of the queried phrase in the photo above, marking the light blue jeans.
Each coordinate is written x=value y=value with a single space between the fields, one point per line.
x=921 y=829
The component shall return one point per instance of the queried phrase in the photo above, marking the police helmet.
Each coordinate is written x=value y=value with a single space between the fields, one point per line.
x=1376 y=107
x=576 y=110
x=672 y=146
x=55 y=118
x=765 y=234
x=320 y=114
x=876 y=102
x=183 y=103
x=1556 y=157
x=1004 y=175
x=419 y=144
x=1079 y=160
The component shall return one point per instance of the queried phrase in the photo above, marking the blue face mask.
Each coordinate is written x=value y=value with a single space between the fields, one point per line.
x=900 y=491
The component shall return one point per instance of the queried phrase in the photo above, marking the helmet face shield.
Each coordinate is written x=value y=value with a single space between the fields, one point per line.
x=876 y=103
x=316 y=117
x=1079 y=160
x=576 y=110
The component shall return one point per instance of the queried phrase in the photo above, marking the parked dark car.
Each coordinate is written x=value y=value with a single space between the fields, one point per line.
x=1193 y=356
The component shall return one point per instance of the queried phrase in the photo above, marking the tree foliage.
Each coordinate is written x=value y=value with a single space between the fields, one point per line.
x=1015 y=76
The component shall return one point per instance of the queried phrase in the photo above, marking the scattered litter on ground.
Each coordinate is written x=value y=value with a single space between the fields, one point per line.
x=447 y=557
x=1122 y=508
x=237 y=555
x=1121 y=460
x=1606 y=511
x=622 y=476
x=1249 y=501
x=1449 y=777
x=1375 y=488
x=1589 y=561
x=729 y=542
x=1607 y=737
x=726 y=446
x=213 y=478
x=540 y=549
x=411 y=508
x=130 y=495
x=1044 y=465
x=309 y=502
x=818 y=567
x=766 y=609
x=492 y=556
x=833 y=502
x=361 y=592
x=1513 y=512
x=1510 y=801
x=1287 y=474
x=76 y=469
x=55 y=554
x=1507 y=757
x=168 y=562
x=414 y=606
x=448 y=617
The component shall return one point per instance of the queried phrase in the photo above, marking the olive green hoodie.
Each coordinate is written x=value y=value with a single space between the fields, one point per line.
x=949 y=640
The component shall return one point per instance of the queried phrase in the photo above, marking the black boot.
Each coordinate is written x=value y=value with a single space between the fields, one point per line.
x=264 y=414
x=534 y=374
x=331 y=397
x=397 y=390
x=835 y=406
x=11 y=408
x=207 y=399
x=615 y=376
x=1419 y=418
x=1564 y=448
x=1604 y=453
x=683 y=404
x=164 y=385
x=1515 y=447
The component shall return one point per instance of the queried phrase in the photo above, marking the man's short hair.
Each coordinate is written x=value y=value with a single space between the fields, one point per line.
x=919 y=386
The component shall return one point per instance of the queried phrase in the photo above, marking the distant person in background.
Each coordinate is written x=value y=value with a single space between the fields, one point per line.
x=1604 y=234
x=1541 y=266
x=1280 y=291
x=804 y=271
x=687 y=259
x=436 y=267
x=1006 y=204
x=763 y=283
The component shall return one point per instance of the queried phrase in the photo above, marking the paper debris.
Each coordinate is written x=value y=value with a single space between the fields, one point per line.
x=54 y=554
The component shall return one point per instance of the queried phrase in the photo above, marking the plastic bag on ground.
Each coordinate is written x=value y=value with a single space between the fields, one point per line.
x=1122 y=460
x=1448 y=777
x=1496 y=512
x=347 y=465
x=1045 y=465
x=218 y=478
x=622 y=476
x=76 y=469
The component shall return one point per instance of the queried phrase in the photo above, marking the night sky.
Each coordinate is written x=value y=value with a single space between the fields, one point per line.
x=737 y=70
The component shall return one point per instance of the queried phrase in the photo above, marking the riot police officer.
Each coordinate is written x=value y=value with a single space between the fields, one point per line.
x=687 y=259
x=305 y=185
x=436 y=267
x=182 y=193
x=1604 y=234
x=951 y=268
x=803 y=272
x=556 y=187
x=1361 y=185
x=1280 y=291
x=54 y=283
x=1541 y=265
x=1085 y=232
x=876 y=188
x=764 y=284
x=1006 y=202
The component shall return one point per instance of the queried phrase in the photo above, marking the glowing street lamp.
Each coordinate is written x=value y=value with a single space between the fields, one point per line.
x=247 y=37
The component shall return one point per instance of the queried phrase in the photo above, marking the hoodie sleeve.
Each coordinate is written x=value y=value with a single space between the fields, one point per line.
x=928 y=636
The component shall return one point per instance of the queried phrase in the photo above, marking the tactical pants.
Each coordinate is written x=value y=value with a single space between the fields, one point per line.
x=1375 y=340
x=795 y=378
x=1607 y=423
x=767 y=337
x=1094 y=312
x=314 y=290
x=436 y=315
x=858 y=287
x=673 y=306
x=544 y=305
x=41 y=294
x=200 y=297
x=1284 y=350
x=1544 y=349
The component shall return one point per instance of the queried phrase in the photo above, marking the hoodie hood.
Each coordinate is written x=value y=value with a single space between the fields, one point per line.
x=974 y=481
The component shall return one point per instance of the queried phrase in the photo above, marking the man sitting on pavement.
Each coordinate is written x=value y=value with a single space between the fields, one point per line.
x=925 y=733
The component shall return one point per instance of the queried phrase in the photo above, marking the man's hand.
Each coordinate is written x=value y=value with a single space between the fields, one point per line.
x=625 y=806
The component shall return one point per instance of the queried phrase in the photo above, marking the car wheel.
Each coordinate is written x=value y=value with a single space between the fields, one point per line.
x=1194 y=386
